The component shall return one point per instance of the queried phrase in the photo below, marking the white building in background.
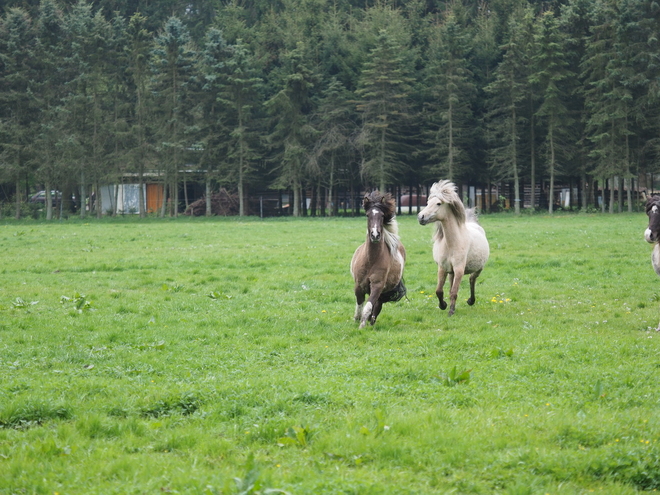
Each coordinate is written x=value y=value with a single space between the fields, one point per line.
x=126 y=195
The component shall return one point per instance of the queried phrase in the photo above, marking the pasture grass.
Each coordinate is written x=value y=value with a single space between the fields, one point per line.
x=214 y=356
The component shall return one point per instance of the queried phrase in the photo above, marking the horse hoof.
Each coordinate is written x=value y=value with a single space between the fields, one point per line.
x=363 y=324
x=470 y=301
x=451 y=312
x=442 y=305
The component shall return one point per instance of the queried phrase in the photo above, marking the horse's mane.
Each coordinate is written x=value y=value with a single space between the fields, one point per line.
x=386 y=204
x=445 y=191
x=652 y=201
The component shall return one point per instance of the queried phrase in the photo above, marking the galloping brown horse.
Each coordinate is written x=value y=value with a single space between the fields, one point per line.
x=652 y=233
x=377 y=265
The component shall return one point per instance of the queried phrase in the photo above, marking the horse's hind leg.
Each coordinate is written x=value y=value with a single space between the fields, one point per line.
x=473 y=280
x=442 y=277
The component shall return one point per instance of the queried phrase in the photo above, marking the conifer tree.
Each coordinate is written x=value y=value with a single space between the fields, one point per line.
x=451 y=93
x=336 y=130
x=173 y=63
x=239 y=97
x=49 y=35
x=291 y=110
x=609 y=97
x=551 y=76
x=138 y=47
x=507 y=96
x=86 y=101
x=383 y=93
x=17 y=53
x=575 y=23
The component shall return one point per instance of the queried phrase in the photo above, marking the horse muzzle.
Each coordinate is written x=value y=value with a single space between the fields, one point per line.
x=422 y=219
x=650 y=236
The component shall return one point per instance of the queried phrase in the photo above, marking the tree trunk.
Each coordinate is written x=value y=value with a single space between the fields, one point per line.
x=382 y=160
x=141 y=195
x=99 y=201
x=322 y=200
x=296 y=199
x=612 y=188
x=551 y=194
x=18 y=198
x=185 y=190
x=532 y=155
x=514 y=157
x=175 y=205
x=331 y=196
x=49 y=202
x=628 y=183
x=450 y=155
x=115 y=208
x=241 y=192
x=208 y=195
x=163 y=206
x=83 y=194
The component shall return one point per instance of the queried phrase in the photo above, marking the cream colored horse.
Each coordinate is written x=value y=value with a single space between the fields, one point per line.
x=460 y=246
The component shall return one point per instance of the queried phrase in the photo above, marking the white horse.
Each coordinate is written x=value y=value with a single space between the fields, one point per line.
x=652 y=233
x=460 y=245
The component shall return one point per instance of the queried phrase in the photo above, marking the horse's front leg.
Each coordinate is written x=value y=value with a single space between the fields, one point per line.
x=359 y=301
x=376 y=311
x=453 y=293
x=368 y=313
x=442 y=277
x=473 y=280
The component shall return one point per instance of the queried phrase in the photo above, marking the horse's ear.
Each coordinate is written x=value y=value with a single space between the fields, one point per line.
x=365 y=202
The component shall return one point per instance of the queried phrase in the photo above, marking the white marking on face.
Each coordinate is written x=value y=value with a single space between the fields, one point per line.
x=647 y=235
x=654 y=209
x=374 y=232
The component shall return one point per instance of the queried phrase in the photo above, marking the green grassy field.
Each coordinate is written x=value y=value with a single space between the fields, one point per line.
x=220 y=356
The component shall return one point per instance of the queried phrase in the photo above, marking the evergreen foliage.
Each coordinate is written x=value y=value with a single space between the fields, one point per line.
x=316 y=97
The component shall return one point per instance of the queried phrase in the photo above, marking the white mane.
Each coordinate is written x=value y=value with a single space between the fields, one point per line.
x=445 y=191
x=391 y=236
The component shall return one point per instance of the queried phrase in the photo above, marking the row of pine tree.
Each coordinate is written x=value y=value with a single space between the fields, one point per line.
x=316 y=95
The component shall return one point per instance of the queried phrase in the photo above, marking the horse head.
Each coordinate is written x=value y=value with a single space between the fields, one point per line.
x=443 y=200
x=652 y=232
x=380 y=209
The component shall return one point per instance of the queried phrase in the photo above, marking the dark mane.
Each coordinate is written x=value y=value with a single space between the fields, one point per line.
x=652 y=201
x=383 y=202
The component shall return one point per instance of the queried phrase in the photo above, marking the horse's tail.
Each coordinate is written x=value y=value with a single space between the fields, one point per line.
x=471 y=215
x=395 y=294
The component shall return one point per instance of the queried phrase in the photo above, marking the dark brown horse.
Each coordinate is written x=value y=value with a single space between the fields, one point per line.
x=377 y=265
x=652 y=232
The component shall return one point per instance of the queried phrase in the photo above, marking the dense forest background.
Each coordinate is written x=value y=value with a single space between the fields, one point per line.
x=314 y=96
